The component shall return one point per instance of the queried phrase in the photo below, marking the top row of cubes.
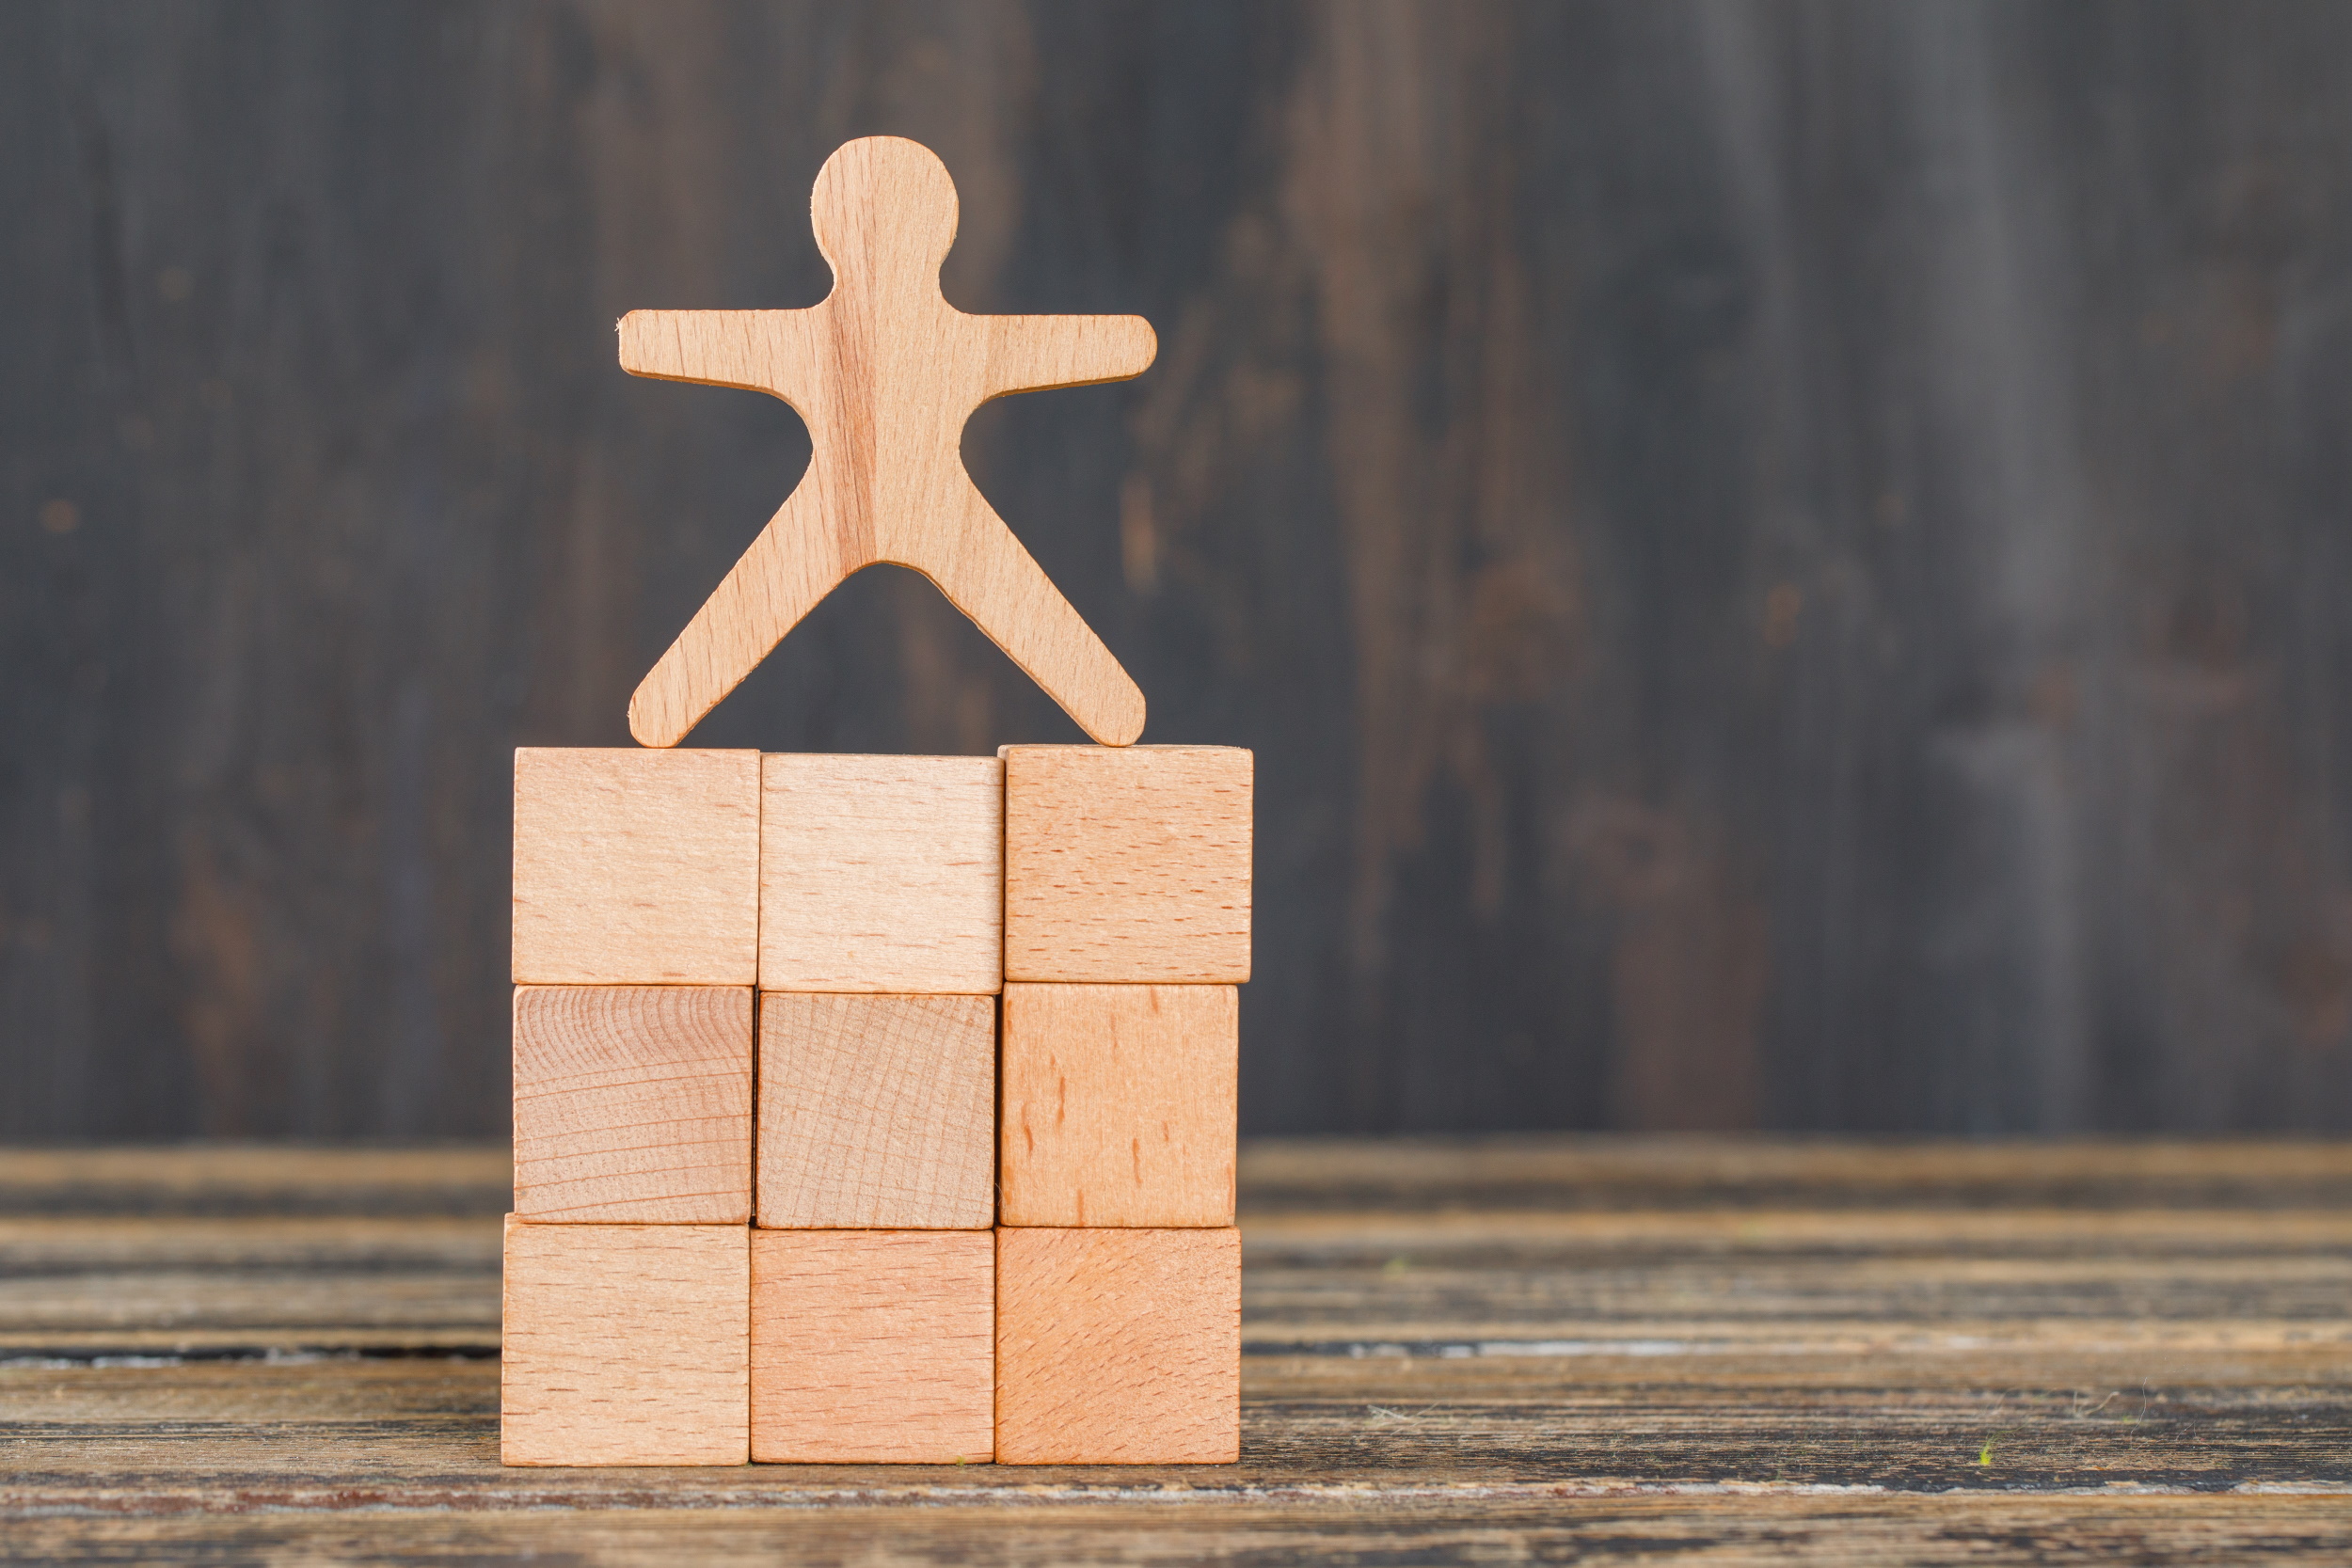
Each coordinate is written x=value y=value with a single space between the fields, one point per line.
x=941 y=874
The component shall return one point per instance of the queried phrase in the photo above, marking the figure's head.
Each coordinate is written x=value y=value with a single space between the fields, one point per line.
x=886 y=206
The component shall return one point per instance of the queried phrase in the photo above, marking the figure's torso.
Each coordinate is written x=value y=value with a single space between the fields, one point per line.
x=891 y=390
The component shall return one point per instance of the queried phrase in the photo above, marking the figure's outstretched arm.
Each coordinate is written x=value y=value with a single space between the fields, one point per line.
x=760 y=350
x=795 y=562
x=1036 y=353
x=985 y=571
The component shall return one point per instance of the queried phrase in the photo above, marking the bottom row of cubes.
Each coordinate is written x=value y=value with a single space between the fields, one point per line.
x=692 y=1344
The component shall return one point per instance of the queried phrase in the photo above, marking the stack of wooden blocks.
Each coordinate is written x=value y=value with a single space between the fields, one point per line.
x=876 y=1108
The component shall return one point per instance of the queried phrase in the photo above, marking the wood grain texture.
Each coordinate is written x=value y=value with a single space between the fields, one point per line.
x=1773 y=556
x=636 y=868
x=1624 y=1527
x=277 y=1180
x=1117 y=1347
x=1119 y=1104
x=882 y=872
x=1128 y=866
x=885 y=373
x=624 y=1344
x=877 y=1112
x=633 y=1103
x=1683 y=1171
x=1689 y=1373
x=873 y=1347
x=249 y=1287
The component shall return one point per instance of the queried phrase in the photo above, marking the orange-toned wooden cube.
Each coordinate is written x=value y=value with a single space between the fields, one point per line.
x=873 y=1346
x=635 y=868
x=882 y=873
x=1119 y=1104
x=626 y=1345
x=1127 y=865
x=1117 y=1347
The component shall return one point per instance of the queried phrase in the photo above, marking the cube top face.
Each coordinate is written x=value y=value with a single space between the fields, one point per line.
x=1119 y=1104
x=1128 y=866
x=877 y=1112
x=1117 y=1347
x=636 y=868
x=633 y=1103
x=882 y=873
x=626 y=1345
x=873 y=1346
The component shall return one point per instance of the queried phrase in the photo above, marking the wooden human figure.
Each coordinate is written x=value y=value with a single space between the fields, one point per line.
x=886 y=372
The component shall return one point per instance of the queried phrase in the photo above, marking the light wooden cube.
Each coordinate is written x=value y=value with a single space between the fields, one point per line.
x=1127 y=865
x=1117 y=1347
x=882 y=873
x=873 y=1346
x=1120 y=1104
x=636 y=868
x=876 y=1113
x=633 y=1103
x=626 y=1345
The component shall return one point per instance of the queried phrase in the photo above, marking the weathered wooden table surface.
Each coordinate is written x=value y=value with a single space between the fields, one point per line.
x=1556 y=1350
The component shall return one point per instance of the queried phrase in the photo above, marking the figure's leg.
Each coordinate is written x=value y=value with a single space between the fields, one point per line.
x=985 y=571
x=797 y=560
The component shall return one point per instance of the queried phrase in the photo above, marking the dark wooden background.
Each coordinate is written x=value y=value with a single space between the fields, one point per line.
x=1785 y=564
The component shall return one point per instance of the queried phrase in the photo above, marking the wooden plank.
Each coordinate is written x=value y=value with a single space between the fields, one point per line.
x=1556 y=1171
x=873 y=1346
x=884 y=373
x=2181 y=1236
x=1127 y=866
x=882 y=872
x=1617 y=1529
x=636 y=868
x=1117 y=1347
x=182 y=1284
x=626 y=1345
x=877 y=1112
x=67 y=1248
x=277 y=1180
x=422 y=1433
x=633 y=1103
x=1119 y=1104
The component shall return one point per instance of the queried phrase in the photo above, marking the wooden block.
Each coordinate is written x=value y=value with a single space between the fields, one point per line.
x=636 y=868
x=876 y=1113
x=633 y=1103
x=873 y=1346
x=882 y=873
x=884 y=373
x=1119 y=1104
x=626 y=1345
x=1117 y=1347
x=1127 y=866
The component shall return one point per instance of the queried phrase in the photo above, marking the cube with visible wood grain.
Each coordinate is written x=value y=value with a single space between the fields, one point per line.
x=626 y=1345
x=633 y=1103
x=1127 y=865
x=877 y=1112
x=873 y=1346
x=635 y=868
x=1117 y=1347
x=1119 y=1104
x=882 y=873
